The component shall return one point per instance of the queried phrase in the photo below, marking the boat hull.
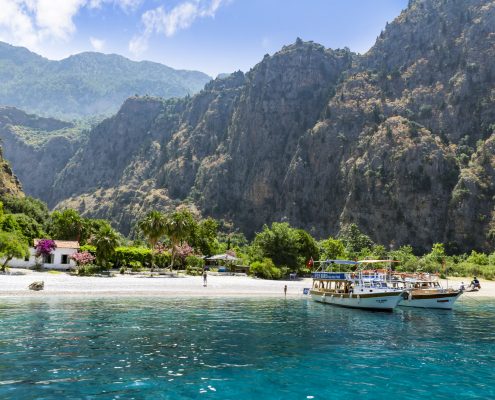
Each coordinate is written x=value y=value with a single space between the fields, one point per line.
x=379 y=301
x=443 y=301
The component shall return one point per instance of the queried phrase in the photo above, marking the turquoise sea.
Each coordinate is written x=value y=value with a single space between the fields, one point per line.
x=152 y=348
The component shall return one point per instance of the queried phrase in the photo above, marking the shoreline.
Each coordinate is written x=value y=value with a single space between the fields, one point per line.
x=64 y=285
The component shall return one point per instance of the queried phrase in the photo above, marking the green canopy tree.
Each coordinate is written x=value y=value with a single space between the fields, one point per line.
x=30 y=228
x=66 y=225
x=12 y=245
x=106 y=240
x=332 y=249
x=153 y=226
x=29 y=206
x=284 y=245
x=355 y=241
x=204 y=237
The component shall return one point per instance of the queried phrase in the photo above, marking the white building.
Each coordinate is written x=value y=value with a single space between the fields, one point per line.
x=59 y=259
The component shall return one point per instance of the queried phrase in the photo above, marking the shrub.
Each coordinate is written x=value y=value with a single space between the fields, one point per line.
x=478 y=258
x=125 y=256
x=89 y=269
x=83 y=258
x=265 y=269
x=194 y=265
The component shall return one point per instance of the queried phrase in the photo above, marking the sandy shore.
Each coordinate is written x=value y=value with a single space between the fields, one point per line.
x=62 y=284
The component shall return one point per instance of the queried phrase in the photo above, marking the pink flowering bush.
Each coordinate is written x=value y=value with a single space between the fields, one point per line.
x=83 y=258
x=183 y=251
x=160 y=248
x=45 y=247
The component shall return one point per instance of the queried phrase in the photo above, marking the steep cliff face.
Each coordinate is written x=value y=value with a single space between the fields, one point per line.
x=38 y=148
x=473 y=200
x=399 y=140
x=9 y=184
x=437 y=62
x=283 y=96
x=224 y=149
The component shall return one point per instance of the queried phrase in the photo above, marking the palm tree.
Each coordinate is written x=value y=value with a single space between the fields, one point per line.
x=154 y=226
x=105 y=241
x=180 y=225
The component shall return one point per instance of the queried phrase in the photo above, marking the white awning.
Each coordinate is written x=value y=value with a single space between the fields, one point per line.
x=223 y=257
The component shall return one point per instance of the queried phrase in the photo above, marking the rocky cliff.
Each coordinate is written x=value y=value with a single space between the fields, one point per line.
x=399 y=140
x=9 y=184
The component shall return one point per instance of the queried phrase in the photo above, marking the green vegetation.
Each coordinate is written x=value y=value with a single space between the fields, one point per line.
x=87 y=83
x=180 y=240
x=12 y=244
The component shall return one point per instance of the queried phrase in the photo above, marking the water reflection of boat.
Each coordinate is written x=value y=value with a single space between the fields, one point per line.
x=353 y=289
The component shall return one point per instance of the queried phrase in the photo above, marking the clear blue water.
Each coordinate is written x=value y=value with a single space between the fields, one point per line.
x=242 y=349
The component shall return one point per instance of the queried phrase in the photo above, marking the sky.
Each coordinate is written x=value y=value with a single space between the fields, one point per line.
x=213 y=36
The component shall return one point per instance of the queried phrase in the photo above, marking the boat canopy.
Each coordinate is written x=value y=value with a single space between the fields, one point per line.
x=223 y=257
x=345 y=262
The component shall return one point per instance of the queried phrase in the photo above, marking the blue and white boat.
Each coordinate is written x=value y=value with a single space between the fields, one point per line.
x=353 y=289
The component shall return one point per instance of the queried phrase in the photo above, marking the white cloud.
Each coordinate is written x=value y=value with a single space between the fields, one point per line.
x=126 y=5
x=30 y=23
x=16 y=25
x=182 y=16
x=97 y=44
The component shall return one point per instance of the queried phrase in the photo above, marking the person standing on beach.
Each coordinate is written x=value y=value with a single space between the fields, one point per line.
x=285 y=290
x=205 y=277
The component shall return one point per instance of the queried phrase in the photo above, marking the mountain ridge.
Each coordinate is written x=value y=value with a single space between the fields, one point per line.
x=399 y=140
x=85 y=84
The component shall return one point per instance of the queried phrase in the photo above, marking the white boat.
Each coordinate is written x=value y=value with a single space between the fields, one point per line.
x=420 y=289
x=353 y=289
x=425 y=291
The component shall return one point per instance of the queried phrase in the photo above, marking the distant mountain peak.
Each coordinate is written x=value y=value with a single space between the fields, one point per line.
x=85 y=84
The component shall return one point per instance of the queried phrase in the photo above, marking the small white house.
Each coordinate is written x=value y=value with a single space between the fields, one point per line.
x=59 y=259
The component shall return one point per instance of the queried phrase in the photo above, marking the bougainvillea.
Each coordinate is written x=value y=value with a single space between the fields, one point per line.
x=83 y=258
x=45 y=247
x=184 y=250
x=160 y=248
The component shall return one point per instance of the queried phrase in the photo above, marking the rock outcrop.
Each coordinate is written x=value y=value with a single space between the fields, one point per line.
x=399 y=140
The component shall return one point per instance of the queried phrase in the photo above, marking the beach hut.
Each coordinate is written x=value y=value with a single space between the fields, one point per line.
x=227 y=263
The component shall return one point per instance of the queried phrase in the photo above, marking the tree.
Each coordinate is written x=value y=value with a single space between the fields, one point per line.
x=354 y=240
x=284 y=245
x=106 y=241
x=332 y=249
x=407 y=260
x=307 y=247
x=33 y=208
x=204 y=237
x=12 y=245
x=30 y=228
x=154 y=226
x=180 y=226
x=66 y=225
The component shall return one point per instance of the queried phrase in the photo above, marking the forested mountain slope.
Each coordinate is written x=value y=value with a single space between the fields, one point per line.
x=85 y=84
x=399 y=140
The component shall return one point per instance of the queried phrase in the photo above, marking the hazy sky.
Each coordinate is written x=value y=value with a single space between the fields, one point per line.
x=212 y=36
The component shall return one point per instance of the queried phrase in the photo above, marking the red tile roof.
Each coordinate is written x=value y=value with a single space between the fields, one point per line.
x=62 y=244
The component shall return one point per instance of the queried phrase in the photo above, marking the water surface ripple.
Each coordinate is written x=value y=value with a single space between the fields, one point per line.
x=242 y=349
